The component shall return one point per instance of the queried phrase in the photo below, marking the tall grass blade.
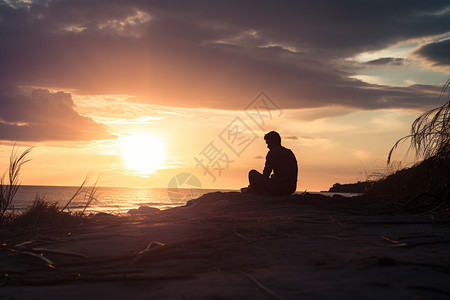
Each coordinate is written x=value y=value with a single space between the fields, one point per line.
x=91 y=195
x=10 y=185
x=430 y=132
x=78 y=191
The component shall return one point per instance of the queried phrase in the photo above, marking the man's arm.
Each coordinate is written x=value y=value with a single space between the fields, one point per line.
x=268 y=167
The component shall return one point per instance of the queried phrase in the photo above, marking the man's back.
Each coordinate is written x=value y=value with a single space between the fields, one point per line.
x=284 y=165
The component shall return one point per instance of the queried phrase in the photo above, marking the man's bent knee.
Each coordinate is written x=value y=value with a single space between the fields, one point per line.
x=253 y=174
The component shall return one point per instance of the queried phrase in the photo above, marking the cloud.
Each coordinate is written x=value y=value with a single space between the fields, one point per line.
x=307 y=115
x=293 y=137
x=213 y=54
x=44 y=116
x=316 y=142
x=437 y=54
x=391 y=61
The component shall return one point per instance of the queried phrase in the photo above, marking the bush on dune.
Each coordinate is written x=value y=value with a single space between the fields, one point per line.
x=40 y=213
x=430 y=133
x=428 y=180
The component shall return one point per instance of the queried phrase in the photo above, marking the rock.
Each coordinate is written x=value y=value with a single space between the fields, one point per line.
x=144 y=210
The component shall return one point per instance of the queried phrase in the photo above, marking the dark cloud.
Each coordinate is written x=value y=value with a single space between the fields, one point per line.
x=293 y=137
x=391 y=61
x=216 y=54
x=307 y=115
x=44 y=116
x=436 y=53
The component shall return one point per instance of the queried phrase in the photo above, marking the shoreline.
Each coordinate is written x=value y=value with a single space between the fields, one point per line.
x=113 y=200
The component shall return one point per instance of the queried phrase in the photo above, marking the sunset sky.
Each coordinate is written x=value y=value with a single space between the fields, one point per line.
x=139 y=91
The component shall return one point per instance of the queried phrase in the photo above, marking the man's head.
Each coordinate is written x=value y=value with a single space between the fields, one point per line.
x=272 y=139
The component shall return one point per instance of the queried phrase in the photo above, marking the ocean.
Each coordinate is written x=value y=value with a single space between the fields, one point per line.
x=114 y=200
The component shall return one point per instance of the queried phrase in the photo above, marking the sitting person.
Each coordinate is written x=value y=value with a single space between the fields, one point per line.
x=282 y=162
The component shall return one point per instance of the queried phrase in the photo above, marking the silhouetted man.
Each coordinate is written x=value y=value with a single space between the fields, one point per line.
x=282 y=162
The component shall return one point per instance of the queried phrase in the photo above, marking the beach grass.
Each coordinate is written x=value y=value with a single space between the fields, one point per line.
x=427 y=181
x=43 y=214
x=426 y=184
x=40 y=211
x=10 y=182
x=430 y=132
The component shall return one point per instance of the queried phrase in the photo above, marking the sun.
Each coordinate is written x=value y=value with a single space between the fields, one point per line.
x=143 y=153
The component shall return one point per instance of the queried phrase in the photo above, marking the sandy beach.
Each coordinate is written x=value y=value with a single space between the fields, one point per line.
x=234 y=246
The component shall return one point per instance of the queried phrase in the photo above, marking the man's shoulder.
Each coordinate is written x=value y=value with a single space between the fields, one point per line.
x=289 y=152
x=279 y=152
x=286 y=149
